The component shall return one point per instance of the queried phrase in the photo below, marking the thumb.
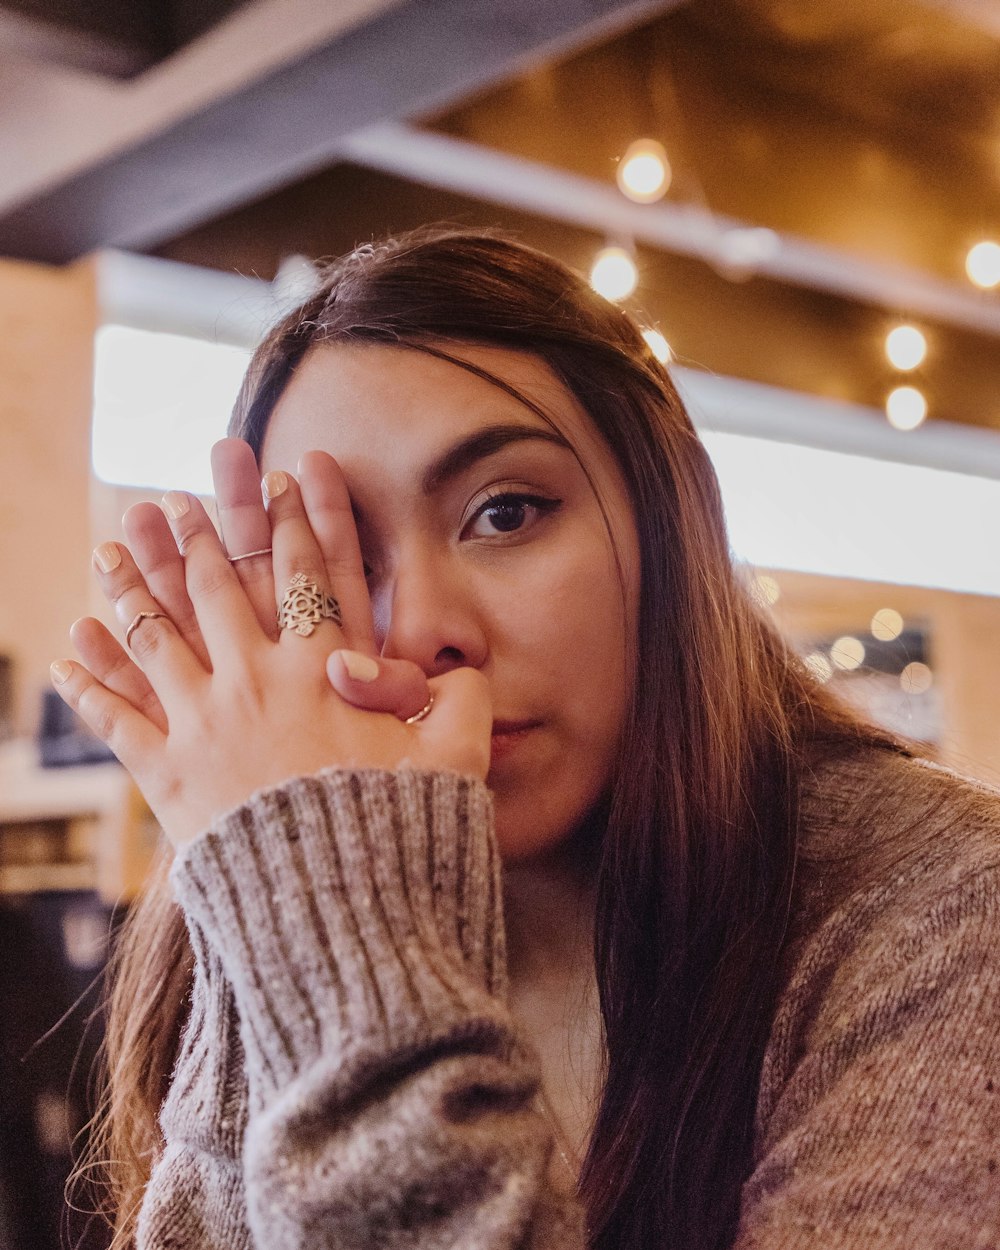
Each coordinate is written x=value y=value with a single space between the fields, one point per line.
x=378 y=685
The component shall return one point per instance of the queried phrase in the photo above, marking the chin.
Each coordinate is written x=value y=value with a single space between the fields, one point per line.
x=533 y=828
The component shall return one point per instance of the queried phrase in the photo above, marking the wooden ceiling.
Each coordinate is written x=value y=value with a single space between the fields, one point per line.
x=867 y=135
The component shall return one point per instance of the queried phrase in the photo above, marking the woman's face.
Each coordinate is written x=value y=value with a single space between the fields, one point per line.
x=486 y=546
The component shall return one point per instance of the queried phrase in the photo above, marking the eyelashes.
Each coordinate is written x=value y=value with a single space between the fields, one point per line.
x=505 y=512
x=509 y=512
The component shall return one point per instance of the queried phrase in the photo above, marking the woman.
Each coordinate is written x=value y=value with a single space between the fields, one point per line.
x=710 y=962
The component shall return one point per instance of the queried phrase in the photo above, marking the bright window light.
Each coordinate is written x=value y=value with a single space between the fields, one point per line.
x=827 y=512
x=160 y=402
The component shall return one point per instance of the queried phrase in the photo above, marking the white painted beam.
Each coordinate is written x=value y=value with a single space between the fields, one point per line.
x=688 y=230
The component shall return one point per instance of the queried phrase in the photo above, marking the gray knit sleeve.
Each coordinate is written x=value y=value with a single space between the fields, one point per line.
x=879 y=1112
x=357 y=917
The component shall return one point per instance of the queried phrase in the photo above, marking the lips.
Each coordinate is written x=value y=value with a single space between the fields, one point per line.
x=507 y=734
x=504 y=727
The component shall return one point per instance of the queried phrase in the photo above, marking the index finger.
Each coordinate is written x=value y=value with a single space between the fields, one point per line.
x=328 y=507
x=246 y=530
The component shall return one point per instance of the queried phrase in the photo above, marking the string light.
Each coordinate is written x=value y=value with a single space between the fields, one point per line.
x=644 y=173
x=916 y=678
x=887 y=625
x=983 y=265
x=848 y=653
x=906 y=347
x=906 y=408
x=658 y=345
x=614 y=274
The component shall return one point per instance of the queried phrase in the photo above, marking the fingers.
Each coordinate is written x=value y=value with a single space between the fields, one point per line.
x=458 y=728
x=328 y=505
x=378 y=685
x=225 y=615
x=155 y=553
x=128 y=733
x=296 y=556
x=104 y=656
x=154 y=642
x=245 y=525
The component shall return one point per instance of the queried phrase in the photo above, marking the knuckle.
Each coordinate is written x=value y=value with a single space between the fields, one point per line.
x=99 y=714
x=148 y=639
x=205 y=580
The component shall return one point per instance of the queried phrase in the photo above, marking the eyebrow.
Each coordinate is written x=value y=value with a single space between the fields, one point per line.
x=487 y=442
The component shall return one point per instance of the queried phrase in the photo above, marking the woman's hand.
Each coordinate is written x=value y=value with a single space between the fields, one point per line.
x=226 y=703
x=356 y=671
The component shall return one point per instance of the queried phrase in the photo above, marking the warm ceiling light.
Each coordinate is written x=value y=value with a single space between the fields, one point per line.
x=906 y=347
x=644 y=172
x=614 y=274
x=848 y=653
x=887 y=625
x=916 y=678
x=906 y=407
x=983 y=265
x=658 y=345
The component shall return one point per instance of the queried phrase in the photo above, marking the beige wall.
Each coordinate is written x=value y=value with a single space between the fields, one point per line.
x=47 y=322
x=964 y=651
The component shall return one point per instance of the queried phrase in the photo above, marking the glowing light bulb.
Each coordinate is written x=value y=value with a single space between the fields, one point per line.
x=614 y=274
x=644 y=172
x=658 y=345
x=820 y=667
x=887 y=624
x=906 y=408
x=906 y=347
x=983 y=265
x=848 y=653
x=916 y=678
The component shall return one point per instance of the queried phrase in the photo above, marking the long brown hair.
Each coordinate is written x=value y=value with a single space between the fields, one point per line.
x=698 y=849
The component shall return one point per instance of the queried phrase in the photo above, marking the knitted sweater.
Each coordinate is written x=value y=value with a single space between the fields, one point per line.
x=351 y=1077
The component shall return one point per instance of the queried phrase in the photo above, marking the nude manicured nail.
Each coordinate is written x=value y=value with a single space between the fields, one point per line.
x=359 y=667
x=275 y=483
x=107 y=557
x=61 y=671
x=175 y=503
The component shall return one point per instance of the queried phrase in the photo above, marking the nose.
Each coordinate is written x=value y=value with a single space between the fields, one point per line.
x=427 y=612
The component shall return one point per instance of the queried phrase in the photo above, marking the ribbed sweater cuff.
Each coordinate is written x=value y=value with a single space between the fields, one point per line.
x=350 y=909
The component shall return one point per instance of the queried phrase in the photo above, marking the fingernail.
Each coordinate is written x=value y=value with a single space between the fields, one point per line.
x=175 y=503
x=61 y=670
x=275 y=483
x=360 y=667
x=107 y=557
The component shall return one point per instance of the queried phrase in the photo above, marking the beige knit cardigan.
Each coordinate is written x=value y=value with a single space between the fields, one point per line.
x=350 y=1075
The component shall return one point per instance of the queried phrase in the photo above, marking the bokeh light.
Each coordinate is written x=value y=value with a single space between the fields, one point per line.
x=614 y=274
x=906 y=408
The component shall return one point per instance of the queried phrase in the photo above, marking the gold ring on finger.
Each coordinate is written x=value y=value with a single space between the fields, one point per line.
x=138 y=619
x=304 y=605
x=417 y=717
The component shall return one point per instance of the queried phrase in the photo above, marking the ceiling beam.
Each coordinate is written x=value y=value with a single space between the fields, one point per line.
x=731 y=246
x=409 y=61
x=30 y=39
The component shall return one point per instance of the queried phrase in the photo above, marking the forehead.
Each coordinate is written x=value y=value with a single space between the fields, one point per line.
x=375 y=405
